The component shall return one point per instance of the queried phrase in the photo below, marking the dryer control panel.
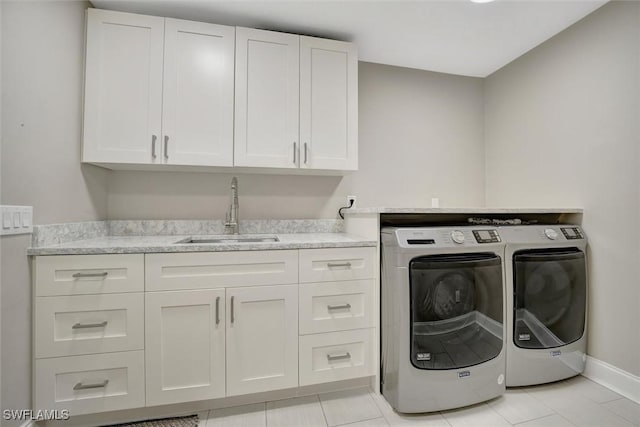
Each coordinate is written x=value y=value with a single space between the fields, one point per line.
x=571 y=233
x=486 y=236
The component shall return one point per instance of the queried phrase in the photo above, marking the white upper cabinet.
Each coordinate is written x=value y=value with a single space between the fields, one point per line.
x=123 y=87
x=197 y=113
x=162 y=91
x=267 y=88
x=158 y=91
x=328 y=104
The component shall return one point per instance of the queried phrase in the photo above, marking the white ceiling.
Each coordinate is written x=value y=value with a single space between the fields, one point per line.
x=448 y=36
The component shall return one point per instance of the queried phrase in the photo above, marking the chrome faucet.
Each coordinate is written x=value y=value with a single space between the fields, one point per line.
x=231 y=225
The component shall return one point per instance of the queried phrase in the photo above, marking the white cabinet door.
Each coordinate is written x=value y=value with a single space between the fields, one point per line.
x=90 y=383
x=262 y=339
x=185 y=346
x=328 y=104
x=267 y=93
x=123 y=87
x=197 y=115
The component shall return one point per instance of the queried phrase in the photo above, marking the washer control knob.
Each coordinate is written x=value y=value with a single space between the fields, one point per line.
x=551 y=233
x=457 y=236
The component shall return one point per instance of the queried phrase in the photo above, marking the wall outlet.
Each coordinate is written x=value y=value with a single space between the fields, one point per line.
x=350 y=198
x=16 y=220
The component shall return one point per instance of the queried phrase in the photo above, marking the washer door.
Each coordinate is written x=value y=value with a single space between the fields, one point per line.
x=456 y=310
x=550 y=294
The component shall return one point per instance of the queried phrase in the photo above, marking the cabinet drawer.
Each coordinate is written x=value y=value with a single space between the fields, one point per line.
x=88 y=274
x=328 y=265
x=202 y=270
x=336 y=356
x=335 y=306
x=85 y=324
x=87 y=384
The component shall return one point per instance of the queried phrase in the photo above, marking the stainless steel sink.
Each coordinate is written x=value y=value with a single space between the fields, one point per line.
x=228 y=239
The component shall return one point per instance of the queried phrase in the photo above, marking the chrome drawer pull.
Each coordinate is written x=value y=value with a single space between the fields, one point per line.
x=89 y=325
x=81 y=275
x=332 y=357
x=153 y=146
x=217 y=310
x=233 y=314
x=339 y=264
x=339 y=307
x=80 y=386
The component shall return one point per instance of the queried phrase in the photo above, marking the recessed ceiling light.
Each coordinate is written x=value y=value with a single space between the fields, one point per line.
x=482 y=1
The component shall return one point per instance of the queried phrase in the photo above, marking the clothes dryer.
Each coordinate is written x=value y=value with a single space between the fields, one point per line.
x=546 y=309
x=442 y=311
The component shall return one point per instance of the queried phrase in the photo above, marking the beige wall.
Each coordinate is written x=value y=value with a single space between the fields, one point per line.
x=42 y=68
x=420 y=136
x=562 y=129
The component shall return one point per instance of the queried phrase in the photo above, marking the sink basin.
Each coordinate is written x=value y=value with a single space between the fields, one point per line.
x=228 y=239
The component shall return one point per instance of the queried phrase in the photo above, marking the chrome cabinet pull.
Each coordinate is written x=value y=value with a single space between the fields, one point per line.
x=305 y=153
x=89 y=325
x=294 y=152
x=233 y=318
x=153 y=146
x=332 y=357
x=81 y=386
x=346 y=306
x=81 y=275
x=166 y=146
x=339 y=264
x=217 y=310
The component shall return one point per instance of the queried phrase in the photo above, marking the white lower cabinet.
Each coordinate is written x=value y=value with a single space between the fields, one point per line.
x=208 y=325
x=262 y=338
x=84 y=324
x=185 y=346
x=335 y=356
x=93 y=383
x=335 y=306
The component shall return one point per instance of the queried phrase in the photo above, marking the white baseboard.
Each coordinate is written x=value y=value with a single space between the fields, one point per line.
x=616 y=379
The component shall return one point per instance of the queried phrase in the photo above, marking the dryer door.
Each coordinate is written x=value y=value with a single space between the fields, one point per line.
x=456 y=310
x=550 y=294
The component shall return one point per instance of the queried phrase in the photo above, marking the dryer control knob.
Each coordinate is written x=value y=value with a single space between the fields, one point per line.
x=457 y=236
x=551 y=233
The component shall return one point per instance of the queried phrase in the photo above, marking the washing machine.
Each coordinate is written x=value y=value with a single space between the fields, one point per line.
x=442 y=311
x=546 y=310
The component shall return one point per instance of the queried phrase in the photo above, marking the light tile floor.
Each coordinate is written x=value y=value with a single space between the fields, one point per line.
x=574 y=402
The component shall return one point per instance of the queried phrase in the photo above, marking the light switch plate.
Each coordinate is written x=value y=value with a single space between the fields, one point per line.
x=16 y=220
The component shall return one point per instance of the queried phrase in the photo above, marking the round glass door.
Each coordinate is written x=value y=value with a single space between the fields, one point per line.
x=550 y=290
x=456 y=310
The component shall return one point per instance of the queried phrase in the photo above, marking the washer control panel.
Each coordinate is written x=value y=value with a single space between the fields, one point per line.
x=571 y=233
x=551 y=233
x=486 y=236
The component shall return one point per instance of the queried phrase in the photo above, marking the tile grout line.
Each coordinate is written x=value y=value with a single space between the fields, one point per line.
x=498 y=413
x=615 y=413
x=360 y=421
x=375 y=403
x=326 y=421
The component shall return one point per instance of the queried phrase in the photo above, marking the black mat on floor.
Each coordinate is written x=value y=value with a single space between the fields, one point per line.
x=188 y=421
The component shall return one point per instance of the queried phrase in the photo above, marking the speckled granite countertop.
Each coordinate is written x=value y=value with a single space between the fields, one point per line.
x=155 y=244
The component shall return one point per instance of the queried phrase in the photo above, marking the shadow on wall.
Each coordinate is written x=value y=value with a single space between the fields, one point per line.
x=178 y=195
